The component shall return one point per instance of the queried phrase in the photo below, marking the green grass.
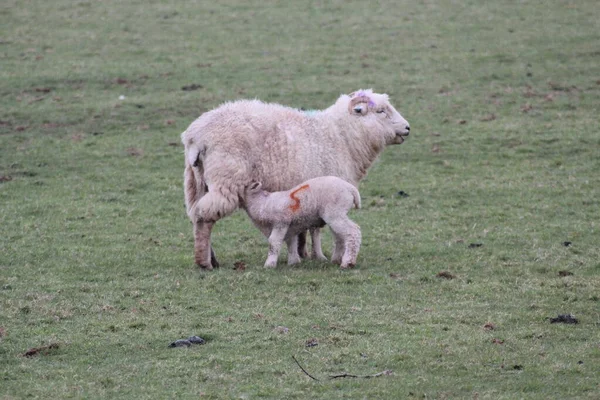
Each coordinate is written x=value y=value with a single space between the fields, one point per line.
x=96 y=250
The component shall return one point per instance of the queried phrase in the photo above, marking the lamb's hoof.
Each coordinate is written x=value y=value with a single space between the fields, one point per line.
x=347 y=266
x=270 y=266
x=294 y=261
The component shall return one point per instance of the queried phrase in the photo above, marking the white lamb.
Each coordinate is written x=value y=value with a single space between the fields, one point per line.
x=280 y=147
x=281 y=216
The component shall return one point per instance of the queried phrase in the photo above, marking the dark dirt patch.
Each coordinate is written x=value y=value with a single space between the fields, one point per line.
x=311 y=342
x=239 y=266
x=497 y=341
x=188 y=342
x=402 y=193
x=526 y=108
x=475 y=245
x=181 y=343
x=565 y=273
x=488 y=118
x=44 y=350
x=445 y=275
x=489 y=326
x=193 y=86
x=567 y=244
x=135 y=152
x=564 y=319
x=5 y=178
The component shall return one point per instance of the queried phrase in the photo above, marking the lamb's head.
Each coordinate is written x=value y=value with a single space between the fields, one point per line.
x=254 y=190
x=254 y=187
x=379 y=114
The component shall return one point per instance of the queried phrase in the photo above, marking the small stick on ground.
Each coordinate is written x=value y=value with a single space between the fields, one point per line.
x=346 y=375
x=303 y=370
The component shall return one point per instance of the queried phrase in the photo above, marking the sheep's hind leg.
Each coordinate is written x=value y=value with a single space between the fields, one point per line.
x=213 y=206
x=203 y=252
x=275 y=241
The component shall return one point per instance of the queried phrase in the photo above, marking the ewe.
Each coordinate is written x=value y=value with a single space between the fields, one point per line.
x=280 y=147
x=281 y=216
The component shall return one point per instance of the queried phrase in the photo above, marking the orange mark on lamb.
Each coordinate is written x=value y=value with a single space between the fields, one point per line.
x=296 y=206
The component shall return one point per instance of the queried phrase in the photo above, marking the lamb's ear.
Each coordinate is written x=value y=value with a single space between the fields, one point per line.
x=359 y=105
x=254 y=186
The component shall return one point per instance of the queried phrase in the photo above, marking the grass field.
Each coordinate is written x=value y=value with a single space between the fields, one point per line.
x=502 y=172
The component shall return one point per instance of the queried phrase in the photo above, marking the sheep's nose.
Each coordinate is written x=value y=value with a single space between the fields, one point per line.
x=407 y=130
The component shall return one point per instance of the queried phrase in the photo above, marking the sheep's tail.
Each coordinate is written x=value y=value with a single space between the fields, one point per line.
x=194 y=186
x=356 y=196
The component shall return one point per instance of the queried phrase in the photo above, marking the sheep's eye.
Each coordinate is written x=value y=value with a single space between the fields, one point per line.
x=380 y=111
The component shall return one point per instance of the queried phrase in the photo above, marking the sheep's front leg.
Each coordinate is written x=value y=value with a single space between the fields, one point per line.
x=317 y=251
x=275 y=241
x=293 y=256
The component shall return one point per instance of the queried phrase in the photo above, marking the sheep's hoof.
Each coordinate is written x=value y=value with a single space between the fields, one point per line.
x=269 y=265
x=205 y=267
x=347 y=266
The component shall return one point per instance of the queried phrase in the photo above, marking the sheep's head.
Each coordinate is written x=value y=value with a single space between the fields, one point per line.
x=377 y=110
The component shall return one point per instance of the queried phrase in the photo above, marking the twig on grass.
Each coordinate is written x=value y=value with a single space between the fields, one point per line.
x=303 y=370
x=347 y=375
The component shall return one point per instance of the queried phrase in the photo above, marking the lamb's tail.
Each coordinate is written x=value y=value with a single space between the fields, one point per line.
x=356 y=196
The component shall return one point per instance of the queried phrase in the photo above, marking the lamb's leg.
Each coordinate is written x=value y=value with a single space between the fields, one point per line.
x=352 y=245
x=350 y=234
x=203 y=253
x=338 y=248
x=317 y=252
x=275 y=241
x=302 y=245
x=293 y=256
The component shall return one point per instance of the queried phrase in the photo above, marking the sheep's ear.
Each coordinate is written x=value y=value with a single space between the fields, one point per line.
x=359 y=105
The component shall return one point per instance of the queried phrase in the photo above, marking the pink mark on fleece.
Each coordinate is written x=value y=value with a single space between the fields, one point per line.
x=296 y=206
x=362 y=93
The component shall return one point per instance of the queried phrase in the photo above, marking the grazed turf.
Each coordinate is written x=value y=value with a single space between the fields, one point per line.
x=476 y=231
